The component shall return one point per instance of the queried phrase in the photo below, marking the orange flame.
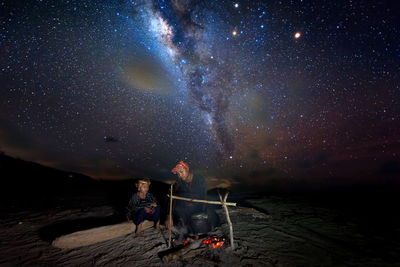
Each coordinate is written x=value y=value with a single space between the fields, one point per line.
x=215 y=242
x=208 y=241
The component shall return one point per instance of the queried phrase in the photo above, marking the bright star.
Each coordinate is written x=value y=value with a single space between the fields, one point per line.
x=297 y=35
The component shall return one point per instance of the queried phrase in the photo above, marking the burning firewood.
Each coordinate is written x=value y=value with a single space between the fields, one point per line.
x=180 y=251
x=215 y=242
x=192 y=248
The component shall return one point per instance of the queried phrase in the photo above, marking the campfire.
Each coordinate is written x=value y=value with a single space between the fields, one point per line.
x=192 y=247
x=209 y=241
x=221 y=202
x=215 y=242
x=195 y=247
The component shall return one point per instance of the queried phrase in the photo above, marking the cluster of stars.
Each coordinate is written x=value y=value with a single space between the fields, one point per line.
x=253 y=86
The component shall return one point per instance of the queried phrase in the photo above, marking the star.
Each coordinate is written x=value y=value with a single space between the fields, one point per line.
x=222 y=85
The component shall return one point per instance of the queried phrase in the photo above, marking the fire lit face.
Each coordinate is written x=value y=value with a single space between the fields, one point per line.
x=183 y=174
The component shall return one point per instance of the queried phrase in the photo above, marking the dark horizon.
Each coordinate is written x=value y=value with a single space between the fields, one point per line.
x=17 y=172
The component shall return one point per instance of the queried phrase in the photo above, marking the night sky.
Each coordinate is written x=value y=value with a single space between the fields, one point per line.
x=249 y=93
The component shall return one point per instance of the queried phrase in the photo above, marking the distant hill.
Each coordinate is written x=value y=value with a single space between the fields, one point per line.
x=28 y=185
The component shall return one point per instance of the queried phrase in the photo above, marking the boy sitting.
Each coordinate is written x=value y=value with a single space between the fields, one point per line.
x=143 y=206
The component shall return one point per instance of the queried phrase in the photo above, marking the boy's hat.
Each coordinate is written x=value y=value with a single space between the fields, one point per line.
x=182 y=165
x=143 y=181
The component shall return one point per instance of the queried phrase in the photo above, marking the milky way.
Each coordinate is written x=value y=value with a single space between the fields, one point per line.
x=251 y=91
x=186 y=32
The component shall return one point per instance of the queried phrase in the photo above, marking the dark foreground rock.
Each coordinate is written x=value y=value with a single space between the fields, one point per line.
x=293 y=233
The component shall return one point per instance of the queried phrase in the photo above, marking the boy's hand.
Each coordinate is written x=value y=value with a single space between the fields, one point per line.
x=148 y=210
x=153 y=204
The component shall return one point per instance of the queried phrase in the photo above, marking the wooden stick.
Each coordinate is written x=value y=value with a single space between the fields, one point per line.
x=204 y=201
x=170 y=218
x=228 y=219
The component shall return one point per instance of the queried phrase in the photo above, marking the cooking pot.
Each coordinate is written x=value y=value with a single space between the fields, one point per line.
x=199 y=223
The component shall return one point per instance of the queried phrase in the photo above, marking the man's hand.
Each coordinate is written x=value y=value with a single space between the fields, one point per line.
x=153 y=204
x=169 y=222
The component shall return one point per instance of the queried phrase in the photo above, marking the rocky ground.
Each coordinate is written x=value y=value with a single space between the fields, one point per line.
x=270 y=231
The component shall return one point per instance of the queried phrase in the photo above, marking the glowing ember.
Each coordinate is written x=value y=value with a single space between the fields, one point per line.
x=215 y=242
x=208 y=241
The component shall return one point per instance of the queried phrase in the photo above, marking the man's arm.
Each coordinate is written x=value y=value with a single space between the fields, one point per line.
x=203 y=188
x=200 y=189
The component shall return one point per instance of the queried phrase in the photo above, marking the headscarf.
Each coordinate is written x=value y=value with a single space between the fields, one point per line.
x=182 y=165
x=143 y=181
